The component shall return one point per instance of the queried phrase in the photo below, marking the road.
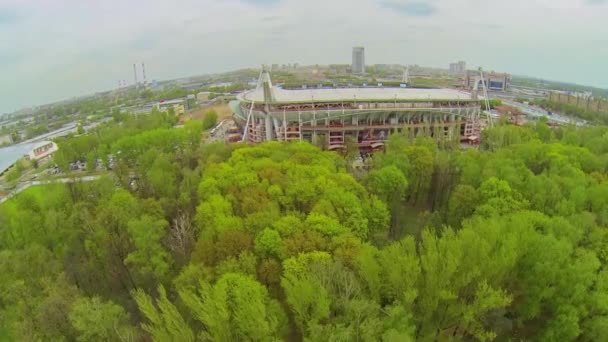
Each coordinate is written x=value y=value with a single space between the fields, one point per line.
x=218 y=133
x=539 y=112
x=21 y=187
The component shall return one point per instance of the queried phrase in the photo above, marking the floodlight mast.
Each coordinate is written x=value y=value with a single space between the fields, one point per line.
x=485 y=95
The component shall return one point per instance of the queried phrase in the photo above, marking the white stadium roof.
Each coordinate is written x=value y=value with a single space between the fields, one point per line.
x=349 y=94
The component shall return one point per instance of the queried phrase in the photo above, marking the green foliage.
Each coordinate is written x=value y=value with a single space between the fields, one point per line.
x=95 y=320
x=388 y=183
x=236 y=308
x=308 y=299
x=279 y=242
x=14 y=173
x=493 y=104
x=166 y=322
x=210 y=119
x=148 y=257
x=268 y=243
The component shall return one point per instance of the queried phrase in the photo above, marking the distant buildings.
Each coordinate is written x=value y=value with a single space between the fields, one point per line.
x=458 y=68
x=388 y=67
x=178 y=105
x=192 y=86
x=358 y=65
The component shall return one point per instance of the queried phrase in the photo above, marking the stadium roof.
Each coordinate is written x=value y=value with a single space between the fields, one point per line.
x=358 y=94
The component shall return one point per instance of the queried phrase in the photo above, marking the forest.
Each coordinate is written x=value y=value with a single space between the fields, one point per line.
x=186 y=241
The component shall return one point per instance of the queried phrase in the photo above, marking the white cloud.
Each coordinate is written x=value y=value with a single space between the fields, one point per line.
x=56 y=49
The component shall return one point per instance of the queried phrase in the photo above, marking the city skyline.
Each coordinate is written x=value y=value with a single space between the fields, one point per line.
x=50 y=52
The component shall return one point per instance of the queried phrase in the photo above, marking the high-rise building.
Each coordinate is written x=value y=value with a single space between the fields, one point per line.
x=453 y=68
x=358 y=66
x=462 y=67
x=458 y=68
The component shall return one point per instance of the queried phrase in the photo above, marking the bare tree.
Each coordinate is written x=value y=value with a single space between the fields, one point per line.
x=181 y=237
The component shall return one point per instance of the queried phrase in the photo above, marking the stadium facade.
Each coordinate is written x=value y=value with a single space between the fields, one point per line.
x=332 y=116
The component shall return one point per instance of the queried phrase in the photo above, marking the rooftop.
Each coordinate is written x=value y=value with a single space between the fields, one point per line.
x=349 y=94
x=41 y=144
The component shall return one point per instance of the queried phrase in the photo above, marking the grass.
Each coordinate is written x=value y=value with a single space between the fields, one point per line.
x=432 y=82
x=39 y=193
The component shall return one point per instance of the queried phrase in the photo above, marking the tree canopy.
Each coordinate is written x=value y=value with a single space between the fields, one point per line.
x=185 y=241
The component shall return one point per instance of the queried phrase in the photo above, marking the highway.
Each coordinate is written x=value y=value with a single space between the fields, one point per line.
x=539 y=112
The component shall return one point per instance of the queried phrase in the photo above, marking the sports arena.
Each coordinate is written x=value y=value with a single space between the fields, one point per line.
x=332 y=116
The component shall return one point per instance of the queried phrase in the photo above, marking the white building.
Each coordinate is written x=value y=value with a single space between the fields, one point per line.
x=42 y=150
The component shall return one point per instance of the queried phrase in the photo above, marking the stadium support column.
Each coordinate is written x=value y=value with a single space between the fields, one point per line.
x=268 y=99
x=268 y=122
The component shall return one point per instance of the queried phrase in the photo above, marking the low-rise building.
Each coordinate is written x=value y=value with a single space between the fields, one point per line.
x=42 y=150
x=178 y=106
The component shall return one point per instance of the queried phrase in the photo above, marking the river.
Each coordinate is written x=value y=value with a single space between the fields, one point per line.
x=10 y=154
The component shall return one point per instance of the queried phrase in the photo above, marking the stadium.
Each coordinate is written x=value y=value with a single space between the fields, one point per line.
x=330 y=117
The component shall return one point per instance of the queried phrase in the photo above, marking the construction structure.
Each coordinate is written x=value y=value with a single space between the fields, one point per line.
x=493 y=81
x=330 y=117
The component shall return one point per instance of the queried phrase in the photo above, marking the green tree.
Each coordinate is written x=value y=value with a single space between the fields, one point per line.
x=308 y=299
x=95 y=320
x=166 y=322
x=462 y=204
x=210 y=119
x=390 y=184
x=268 y=243
x=149 y=258
x=236 y=308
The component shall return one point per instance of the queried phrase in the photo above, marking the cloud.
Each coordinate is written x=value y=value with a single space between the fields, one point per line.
x=9 y=57
x=410 y=8
x=597 y=2
x=57 y=49
x=272 y=18
x=262 y=2
x=147 y=41
x=8 y=16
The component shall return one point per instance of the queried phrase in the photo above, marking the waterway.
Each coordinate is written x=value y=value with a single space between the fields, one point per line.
x=10 y=154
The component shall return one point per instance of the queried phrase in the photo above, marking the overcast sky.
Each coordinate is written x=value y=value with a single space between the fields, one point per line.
x=55 y=49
